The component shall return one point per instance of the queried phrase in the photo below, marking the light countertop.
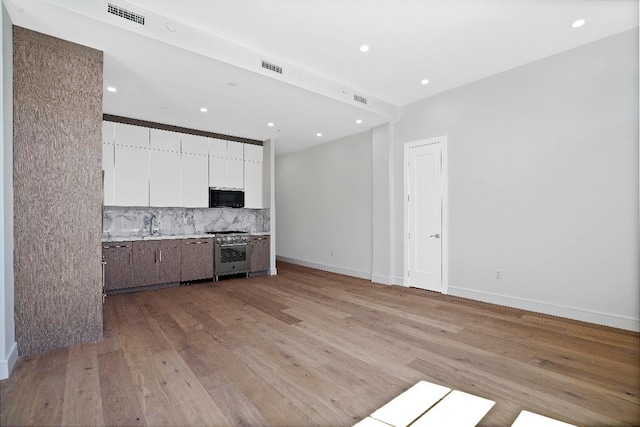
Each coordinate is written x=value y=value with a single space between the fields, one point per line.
x=162 y=237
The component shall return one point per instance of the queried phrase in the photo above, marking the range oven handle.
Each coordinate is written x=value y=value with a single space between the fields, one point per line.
x=232 y=245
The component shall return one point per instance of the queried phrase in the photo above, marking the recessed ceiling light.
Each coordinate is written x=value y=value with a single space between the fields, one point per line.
x=270 y=124
x=318 y=134
x=359 y=121
x=112 y=89
x=203 y=109
x=171 y=26
x=579 y=23
x=424 y=82
x=364 y=48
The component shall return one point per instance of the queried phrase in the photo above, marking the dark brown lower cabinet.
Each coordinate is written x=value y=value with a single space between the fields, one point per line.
x=156 y=261
x=260 y=253
x=118 y=270
x=169 y=261
x=197 y=259
x=145 y=262
x=153 y=262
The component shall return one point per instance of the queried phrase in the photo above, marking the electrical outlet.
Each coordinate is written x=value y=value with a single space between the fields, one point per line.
x=498 y=275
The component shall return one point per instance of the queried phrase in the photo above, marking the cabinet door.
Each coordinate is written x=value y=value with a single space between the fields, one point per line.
x=235 y=150
x=132 y=136
x=253 y=185
x=197 y=259
x=253 y=153
x=131 y=186
x=108 y=166
x=108 y=132
x=260 y=251
x=164 y=140
x=169 y=261
x=235 y=173
x=194 y=185
x=194 y=144
x=118 y=267
x=145 y=263
x=164 y=179
x=218 y=172
x=218 y=148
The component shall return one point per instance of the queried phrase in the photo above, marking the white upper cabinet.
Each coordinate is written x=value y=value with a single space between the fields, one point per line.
x=226 y=167
x=164 y=178
x=193 y=144
x=253 y=185
x=165 y=140
x=253 y=153
x=235 y=150
x=235 y=173
x=131 y=186
x=132 y=136
x=194 y=185
x=218 y=148
x=108 y=168
x=108 y=132
x=153 y=167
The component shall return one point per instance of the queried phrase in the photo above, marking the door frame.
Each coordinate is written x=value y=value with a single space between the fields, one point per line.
x=442 y=141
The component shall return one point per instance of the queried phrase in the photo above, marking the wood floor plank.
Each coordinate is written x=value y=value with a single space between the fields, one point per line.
x=82 y=400
x=185 y=391
x=238 y=408
x=43 y=406
x=313 y=348
x=16 y=390
x=317 y=411
x=119 y=401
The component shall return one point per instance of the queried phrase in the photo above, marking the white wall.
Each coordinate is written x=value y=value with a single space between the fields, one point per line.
x=8 y=348
x=323 y=203
x=382 y=205
x=543 y=183
x=269 y=194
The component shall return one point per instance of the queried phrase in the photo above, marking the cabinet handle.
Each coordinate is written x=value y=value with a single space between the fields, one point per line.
x=161 y=255
x=155 y=256
x=103 y=277
x=130 y=255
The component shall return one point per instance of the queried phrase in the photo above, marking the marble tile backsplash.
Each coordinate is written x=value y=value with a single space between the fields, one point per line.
x=141 y=222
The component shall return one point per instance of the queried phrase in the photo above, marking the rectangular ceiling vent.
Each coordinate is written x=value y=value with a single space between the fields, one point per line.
x=271 y=67
x=359 y=98
x=124 y=13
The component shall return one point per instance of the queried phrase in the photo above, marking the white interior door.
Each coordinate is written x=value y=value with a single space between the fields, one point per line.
x=424 y=203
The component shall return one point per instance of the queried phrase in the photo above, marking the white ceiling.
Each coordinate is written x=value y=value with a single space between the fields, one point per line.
x=451 y=43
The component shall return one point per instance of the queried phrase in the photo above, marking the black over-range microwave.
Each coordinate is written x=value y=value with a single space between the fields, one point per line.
x=222 y=198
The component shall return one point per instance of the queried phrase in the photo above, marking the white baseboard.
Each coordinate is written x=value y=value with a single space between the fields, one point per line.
x=325 y=267
x=614 y=321
x=6 y=365
x=386 y=280
x=273 y=272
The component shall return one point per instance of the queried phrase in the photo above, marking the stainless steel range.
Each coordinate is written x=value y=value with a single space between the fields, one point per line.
x=232 y=253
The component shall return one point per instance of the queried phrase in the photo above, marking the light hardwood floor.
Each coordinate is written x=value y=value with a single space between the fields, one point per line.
x=309 y=347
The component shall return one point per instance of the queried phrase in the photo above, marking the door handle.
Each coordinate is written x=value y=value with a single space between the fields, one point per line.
x=437 y=236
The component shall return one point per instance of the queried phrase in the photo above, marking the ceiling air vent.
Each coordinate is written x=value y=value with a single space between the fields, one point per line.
x=272 y=67
x=124 y=13
x=359 y=98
